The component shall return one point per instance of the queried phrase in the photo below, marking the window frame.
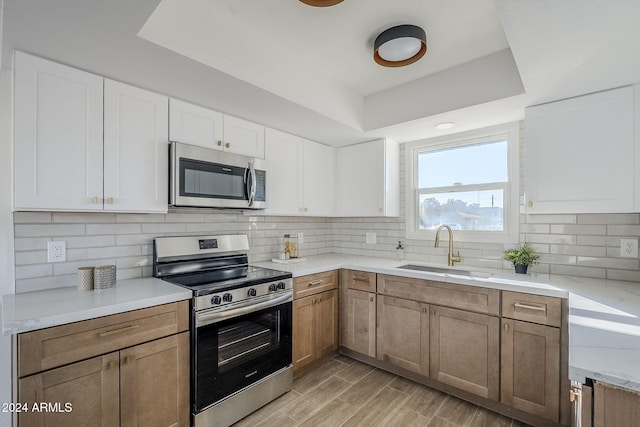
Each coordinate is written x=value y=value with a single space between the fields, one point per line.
x=511 y=208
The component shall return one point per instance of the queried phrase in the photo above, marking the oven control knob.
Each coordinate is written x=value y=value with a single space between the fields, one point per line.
x=281 y=285
x=216 y=300
x=272 y=287
x=227 y=297
x=252 y=292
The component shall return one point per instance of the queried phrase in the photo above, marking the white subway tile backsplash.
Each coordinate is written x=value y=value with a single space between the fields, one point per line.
x=593 y=251
x=618 y=263
x=608 y=219
x=623 y=230
x=597 y=230
x=31 y=271
x=110 y=229
x=80 y=218
x=126 y=240
x=49 y=230
x=551 y=219
x=32 y=217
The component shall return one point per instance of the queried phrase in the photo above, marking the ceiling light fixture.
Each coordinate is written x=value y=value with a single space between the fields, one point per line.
x=321 y=3
x=444 y=125
x=399 y=46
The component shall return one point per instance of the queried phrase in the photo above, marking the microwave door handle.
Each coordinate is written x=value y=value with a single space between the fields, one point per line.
x=252 y=183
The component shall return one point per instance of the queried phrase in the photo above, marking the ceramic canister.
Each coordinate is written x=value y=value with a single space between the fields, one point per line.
x=85 y=278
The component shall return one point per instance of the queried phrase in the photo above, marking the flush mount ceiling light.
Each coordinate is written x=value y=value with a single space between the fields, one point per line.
x=399 y=46
x=321 y=3
x=444 y=125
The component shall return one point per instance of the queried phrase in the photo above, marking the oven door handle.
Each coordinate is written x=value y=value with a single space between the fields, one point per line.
x=206 y=319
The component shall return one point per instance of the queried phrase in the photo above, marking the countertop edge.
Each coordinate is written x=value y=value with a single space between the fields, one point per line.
x=127 y=295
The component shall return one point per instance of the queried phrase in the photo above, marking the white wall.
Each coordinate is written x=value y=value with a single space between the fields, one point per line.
x=6 y=233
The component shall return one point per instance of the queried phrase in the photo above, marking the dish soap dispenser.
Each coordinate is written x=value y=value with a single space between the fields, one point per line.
x=399 y=251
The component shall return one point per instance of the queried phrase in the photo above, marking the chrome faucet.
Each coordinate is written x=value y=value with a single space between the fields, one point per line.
x=451 y=258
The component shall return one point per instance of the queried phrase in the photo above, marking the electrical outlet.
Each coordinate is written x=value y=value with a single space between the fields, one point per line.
x=629 y=248
x=56 y=251
x=300 y=238
x=370 y=238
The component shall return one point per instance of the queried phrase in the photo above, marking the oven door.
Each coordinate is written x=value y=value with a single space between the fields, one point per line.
x=211 y=178
x=232 y=351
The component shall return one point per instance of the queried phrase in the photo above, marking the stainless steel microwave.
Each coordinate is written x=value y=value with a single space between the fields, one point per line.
x=204 y=177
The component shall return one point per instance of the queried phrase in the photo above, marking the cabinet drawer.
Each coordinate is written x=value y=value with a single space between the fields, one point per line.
x=312 y=284
x=360 y=280
x=532 y=308
x=57 y=346
x=471 y=298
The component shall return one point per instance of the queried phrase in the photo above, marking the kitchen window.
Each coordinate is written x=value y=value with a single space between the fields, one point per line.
x=468 y=181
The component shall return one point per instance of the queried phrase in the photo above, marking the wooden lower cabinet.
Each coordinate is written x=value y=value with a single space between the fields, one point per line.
x=154 y=383
x=125 y=369
x=403 y=334
x=615 y=407
x=143 y=385
x=315 y=328
x=465 y=351
x=87 y=391
x=531 y=368
x=359 y=322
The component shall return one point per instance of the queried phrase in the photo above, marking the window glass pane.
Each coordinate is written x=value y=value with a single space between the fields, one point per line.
x=465 y=210
x=470 y=164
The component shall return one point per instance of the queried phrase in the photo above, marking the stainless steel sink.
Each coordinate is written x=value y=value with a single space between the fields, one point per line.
x=451 y=271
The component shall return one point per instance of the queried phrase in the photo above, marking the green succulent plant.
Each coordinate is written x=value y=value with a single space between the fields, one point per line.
x=524 y=255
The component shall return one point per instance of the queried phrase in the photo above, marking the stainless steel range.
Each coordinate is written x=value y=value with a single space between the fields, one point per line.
x=240 y=324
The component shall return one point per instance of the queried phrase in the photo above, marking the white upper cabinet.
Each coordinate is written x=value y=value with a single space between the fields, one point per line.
x=319 y=178
x=58 y=136
x=580 y=154
x=195 y=125
x=368 y=179
x=83 y=143
x=300 y=177
x=135 y=149
x=243 y=137
x=192 y=124
x=283 y=153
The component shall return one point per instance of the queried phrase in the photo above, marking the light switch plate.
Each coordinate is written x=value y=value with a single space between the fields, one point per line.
x=300 y=238
x=629 y=248
x=370 y=238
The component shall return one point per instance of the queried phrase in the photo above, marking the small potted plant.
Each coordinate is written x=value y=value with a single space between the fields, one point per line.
x=522 y=257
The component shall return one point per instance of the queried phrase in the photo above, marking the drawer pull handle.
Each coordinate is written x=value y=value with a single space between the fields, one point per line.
x=371 y=299
x=360 y=279
x=117 y=331
x=316 y=282
x=529 y=307
x=506 y=326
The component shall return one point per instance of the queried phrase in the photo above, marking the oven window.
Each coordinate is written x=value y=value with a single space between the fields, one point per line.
x=247 y=340
x=237 y=352
x=201 y=179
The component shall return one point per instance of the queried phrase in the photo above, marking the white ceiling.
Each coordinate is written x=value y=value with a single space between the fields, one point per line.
x=309 y=71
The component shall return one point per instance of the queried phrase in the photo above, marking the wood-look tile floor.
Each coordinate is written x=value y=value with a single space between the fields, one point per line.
x=345 y=392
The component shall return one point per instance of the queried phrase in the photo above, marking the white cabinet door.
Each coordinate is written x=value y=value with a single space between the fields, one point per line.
x=243 y=137
x=58 y=136
x=284 y=184
x=318 y=170
x=368 y=179
x=192 y=124
x=135 y=149
x=579 y=154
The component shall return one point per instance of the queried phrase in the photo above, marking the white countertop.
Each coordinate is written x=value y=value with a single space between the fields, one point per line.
x=604 y=315
x=29 y=311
